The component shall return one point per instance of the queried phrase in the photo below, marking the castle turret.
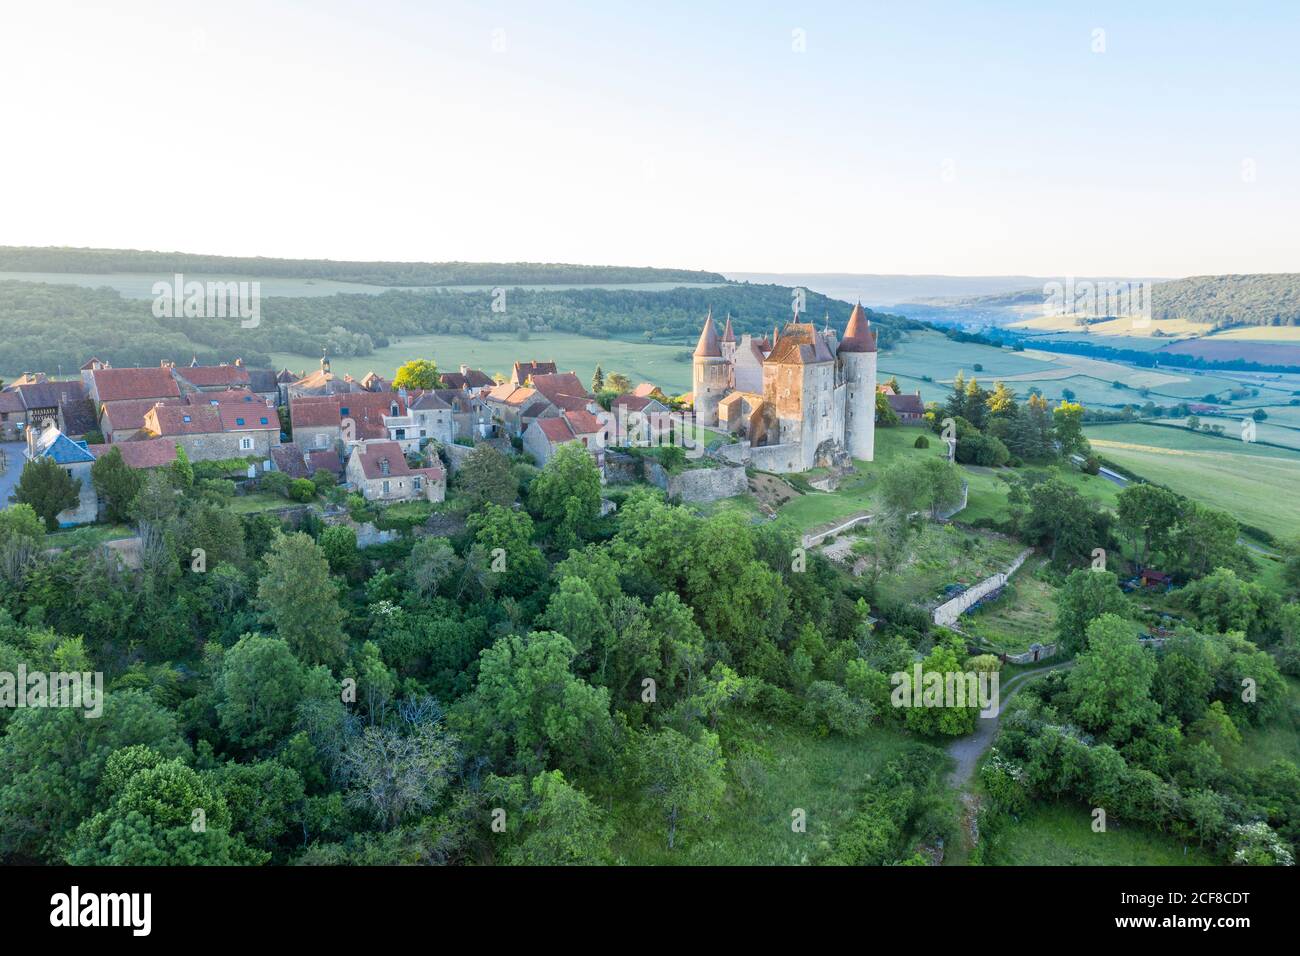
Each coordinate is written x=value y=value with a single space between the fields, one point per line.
x=857 y=356
x=728 y=342
x=709 y=381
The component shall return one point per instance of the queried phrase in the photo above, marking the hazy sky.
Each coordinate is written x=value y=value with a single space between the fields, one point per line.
x=905 y=138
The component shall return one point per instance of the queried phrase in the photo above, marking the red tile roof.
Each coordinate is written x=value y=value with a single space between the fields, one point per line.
x=556 y=430
x=210 y=376
x=563 y=390
x=373 y=454
x=117 y=384
x=117 y=416
x=151 y=453
x=244 y=395
x=583 y=422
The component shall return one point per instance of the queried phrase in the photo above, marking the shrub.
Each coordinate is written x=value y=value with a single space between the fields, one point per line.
x=921 y=442
x=302 y=489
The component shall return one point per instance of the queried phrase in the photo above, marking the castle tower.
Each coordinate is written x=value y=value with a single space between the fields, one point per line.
x=728 y=342
x=711 y=373
x=857 y=356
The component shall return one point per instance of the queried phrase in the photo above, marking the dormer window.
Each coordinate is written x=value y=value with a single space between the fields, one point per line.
x=185 y=418
x=239 y=421
x=383 y=467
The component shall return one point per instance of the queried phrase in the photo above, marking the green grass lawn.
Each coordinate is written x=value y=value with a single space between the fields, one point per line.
x=772 y=769
x=90 y=534
x=944 y=554
x=260 y=501
x=1062 y=835
x=1024 y=614
x=1255 y=483
x=640 y=361
x=1279 y=740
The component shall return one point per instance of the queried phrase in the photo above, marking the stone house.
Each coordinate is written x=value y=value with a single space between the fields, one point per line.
x=379 y=471
x=215 y=432
x=544 y=435
x=76 y=459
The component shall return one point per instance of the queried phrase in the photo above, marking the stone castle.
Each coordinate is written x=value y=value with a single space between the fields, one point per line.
x=798 y=401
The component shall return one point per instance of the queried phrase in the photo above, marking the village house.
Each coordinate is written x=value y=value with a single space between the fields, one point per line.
x=909 y=408
x=379 y=471
x=544 y=435
x=328 y=421
x=467 y=379
x=512 y=407
x=143 y=453
x=122 y=421
x=431 y=417
x=523 y=372
x=75 y=458
x=215 y=432
x=639 y=419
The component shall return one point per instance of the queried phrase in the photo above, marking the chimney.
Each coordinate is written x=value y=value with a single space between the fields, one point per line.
x=464 y=369
x=239 y=363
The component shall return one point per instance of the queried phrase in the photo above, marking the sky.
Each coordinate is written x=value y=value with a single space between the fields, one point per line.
x=1151 y=139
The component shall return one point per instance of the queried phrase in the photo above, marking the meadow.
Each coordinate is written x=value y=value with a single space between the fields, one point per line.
x=1255 y=483
x=1061 y=835
x=668 y=366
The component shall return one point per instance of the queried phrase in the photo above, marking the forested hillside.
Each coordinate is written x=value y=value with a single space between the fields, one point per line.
x=46 y=326
x=63 y=259
x=1230 y=300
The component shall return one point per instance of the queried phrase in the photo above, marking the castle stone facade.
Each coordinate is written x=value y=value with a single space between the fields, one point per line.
x=800 y=401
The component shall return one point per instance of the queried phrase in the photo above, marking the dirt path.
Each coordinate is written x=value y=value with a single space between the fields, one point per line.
x=966 y=751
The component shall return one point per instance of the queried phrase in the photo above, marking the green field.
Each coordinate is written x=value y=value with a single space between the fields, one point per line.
x=668 y=366
x=1062 y=835
x=1256 y=483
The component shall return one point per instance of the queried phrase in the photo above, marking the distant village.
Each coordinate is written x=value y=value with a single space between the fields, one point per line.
x=383 y=441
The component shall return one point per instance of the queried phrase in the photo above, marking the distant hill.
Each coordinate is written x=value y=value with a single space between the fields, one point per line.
x=46 y=325
x=1222 y=301
x=66 y=259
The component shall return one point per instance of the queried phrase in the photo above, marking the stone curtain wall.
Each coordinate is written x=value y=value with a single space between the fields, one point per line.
x=699 y=484
x=947 y=613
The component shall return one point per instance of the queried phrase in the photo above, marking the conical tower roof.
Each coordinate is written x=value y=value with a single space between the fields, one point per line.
x=727 y=334
x=708 y=346
x=858 y=337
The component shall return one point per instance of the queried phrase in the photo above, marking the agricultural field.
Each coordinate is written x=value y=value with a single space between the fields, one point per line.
x=1224 y=350
x=640 y=361
x=1256 y=483
x=1062 y=835
x=1262 y=333
x=936 y=355
x=1127 y=326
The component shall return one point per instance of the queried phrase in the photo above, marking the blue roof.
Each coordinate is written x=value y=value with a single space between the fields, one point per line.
x=65 y=451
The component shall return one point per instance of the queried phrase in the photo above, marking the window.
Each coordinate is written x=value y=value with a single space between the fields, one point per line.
x=343 y=412
x=239 y=422
x=263 y=421
x=321 y=439
x=385 y=487
x=415 y=483
x=185 y=418
x=245 y=444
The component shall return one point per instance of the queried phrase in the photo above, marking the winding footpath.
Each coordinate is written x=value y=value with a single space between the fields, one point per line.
x=966 y=751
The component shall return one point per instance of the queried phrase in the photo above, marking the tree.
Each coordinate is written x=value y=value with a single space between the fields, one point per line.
x=598 y=380
x=1085 y=596
x=52 y=760
x=22 y=536
x=394 y=773
x=432 y=562
x=1148 y=514
x=566 y=495
x=418 y=373
x=504 y=540
x=182 y=471
x=1067 y=421
x=886 y=417
x=152 y=822
x=561 y=826
x=117 y=483
x=618 y=382
x=338 y=543
x=1112 y=679
x=1072 y=523
x=1204 y=540
x=49 y=489
x=486 y=477
x=257 y=687
x=683 y=779
x=300 y=600
x=530 y=709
